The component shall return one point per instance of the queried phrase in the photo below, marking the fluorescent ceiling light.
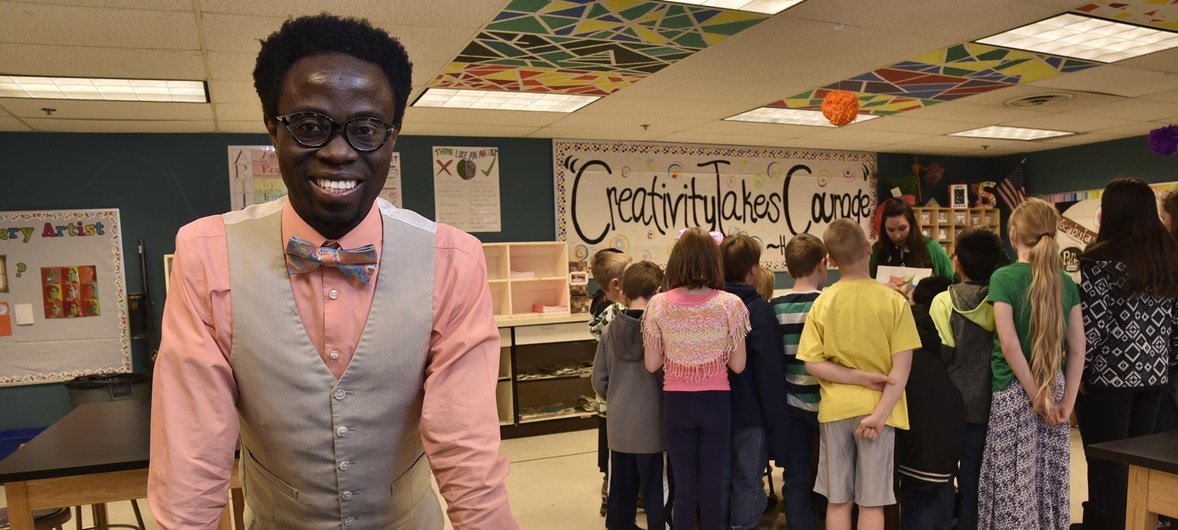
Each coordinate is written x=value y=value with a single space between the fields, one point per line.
x=1083 y=37
x=93 y=88
x=792 y=117
x=768 y=7
x=1011 y=133
x=497 y=100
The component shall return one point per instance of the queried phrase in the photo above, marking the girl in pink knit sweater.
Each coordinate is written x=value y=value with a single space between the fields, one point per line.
x=695 y=333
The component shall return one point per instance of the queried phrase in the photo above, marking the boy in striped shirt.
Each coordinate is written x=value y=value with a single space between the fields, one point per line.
x=805 y=260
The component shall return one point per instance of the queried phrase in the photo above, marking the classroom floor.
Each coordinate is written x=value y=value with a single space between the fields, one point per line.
x=554 y=483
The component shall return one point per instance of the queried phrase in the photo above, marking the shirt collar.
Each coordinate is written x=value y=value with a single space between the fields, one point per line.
x=369 y=231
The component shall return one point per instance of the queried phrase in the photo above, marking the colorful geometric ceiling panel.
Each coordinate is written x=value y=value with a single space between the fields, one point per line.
x=951 y=73
x=586 y=46
x=1160 y=14
x=539 y=80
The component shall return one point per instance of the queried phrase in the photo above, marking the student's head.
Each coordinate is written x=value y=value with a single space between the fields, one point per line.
x=765 y=282
x=741 y=255
x=928 y=289
x=1169 y=212
x=898 y=229
x=607 y=267
x=641 y=280
x=333 y=93
x=1032 y=230
x=695 y=262
x=978 y=253
x=804 y=255
x=845 y=242
x=1132 y=233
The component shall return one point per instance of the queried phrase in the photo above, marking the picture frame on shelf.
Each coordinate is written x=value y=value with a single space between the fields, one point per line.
x=958 y=218
x=942 y=217
x=926 y=218
x=943 y=233
x=959 y=196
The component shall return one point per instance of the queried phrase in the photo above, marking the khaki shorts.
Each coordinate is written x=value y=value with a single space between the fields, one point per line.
x=852 y=468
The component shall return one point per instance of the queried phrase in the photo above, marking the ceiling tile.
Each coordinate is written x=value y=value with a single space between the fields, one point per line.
x=119 y=126
x=718 y=140
x=12 y=124
x=595 y=134
x=621 y=105
x=1170 y=96
x=232 y=66
x=1163 y=61
x=233 y=92
x=93 y=26
x=905 y=123
x=860 y=135
x=1140 y=110
x=835 y=145
x=88 y=61
x=441 y=116
x=967 y=112
x=955 y=19
x=687 y=88
x=1069 y=121
x=504 y=131
x=1136 y=129
x=239 y=112
x=237 y=33
x=623 y=123
x=1115 y=80
x=1078 y=139
x=162 y=5
x=1079 y=99
x=747 y=128
x=230 y=126
x=68 y=109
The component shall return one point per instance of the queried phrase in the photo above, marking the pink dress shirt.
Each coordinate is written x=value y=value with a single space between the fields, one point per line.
x=194 y=424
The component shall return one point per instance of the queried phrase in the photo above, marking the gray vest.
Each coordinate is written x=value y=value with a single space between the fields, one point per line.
x=316 y=452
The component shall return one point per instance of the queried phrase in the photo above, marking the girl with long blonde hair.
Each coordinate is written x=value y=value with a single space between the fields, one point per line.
x=1024 y=479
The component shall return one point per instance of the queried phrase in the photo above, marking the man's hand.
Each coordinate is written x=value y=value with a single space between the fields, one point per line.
x=874 y=381
x=870 y=427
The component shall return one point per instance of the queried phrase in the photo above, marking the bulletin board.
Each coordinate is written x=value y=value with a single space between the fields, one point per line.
x=63 y=300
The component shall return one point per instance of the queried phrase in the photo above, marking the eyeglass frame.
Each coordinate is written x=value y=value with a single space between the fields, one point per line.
x=337 y=127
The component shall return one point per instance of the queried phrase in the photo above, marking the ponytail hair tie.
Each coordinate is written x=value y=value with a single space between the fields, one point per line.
x=1044 y=234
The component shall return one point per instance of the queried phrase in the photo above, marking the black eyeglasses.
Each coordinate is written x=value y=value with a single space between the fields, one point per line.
x=311 y=129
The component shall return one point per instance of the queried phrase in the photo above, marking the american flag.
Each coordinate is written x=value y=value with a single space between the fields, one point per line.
x=1011 y=188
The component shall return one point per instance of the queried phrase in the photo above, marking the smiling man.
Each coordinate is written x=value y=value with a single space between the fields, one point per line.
x=349 y=344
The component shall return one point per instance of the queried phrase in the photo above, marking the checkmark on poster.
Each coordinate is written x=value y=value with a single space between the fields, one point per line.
x=487 y=172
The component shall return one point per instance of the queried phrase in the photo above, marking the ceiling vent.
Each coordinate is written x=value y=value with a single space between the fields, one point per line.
x=1039 y=100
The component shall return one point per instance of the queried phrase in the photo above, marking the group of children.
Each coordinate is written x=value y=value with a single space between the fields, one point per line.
x=904 y=400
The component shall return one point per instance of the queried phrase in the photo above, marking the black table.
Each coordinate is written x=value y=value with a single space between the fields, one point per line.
x=95 y=454
x=1153 y=476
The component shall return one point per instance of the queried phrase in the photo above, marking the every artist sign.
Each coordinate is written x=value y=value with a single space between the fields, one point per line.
x=636 y=197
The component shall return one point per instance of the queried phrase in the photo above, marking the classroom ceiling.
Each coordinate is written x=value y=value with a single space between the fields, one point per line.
x=666 y=72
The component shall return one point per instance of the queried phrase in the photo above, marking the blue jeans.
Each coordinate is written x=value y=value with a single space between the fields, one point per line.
x=967 y=475
x=743 y=479
x=798 y=472
x=925 y=505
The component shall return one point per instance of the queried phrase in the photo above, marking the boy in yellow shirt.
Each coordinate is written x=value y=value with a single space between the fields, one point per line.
x=858 y=342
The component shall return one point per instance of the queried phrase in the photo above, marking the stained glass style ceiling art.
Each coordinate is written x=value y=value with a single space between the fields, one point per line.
x=588 y=47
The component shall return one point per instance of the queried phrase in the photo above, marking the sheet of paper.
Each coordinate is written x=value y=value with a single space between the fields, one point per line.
x=23 y=314
x=904 y=278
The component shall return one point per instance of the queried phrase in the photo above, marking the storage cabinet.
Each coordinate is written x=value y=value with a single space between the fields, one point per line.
x=523 y=275
x=544 y=375
x=945 y=224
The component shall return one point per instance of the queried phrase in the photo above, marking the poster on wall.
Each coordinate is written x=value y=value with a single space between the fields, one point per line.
x=254 y=177
x=466 y=187
x=636 y=197
x=63 y=309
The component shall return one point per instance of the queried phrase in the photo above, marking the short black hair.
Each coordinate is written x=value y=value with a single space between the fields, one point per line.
x=326 y=33
x=929 y=288
x=979 y=252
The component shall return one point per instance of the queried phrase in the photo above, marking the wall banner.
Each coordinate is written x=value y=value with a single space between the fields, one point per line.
x=63 y=299
x=636 y=197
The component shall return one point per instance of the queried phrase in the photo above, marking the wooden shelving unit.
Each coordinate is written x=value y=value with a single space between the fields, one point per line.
x=945 y=224
x=521 y=275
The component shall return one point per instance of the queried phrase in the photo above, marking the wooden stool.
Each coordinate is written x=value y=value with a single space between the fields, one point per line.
x=42 y=519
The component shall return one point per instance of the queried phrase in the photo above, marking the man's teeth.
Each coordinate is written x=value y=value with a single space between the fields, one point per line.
x=335 y=185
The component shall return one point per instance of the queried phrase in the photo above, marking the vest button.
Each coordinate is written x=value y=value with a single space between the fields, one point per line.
x=334 y=354
x=349 y=520
x=340 y=395
x=347 y=495
x=345 y=465
x=341 y=431
x=333 y=294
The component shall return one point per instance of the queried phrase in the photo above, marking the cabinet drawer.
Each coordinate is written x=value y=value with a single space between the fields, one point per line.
x=545 y=333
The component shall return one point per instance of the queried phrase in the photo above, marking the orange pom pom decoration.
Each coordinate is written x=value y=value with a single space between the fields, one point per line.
x=840 y=107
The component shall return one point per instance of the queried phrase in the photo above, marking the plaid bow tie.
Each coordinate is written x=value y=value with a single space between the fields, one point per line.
x=357 y=264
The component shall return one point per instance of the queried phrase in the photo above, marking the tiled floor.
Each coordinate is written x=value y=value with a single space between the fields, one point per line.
x=554 y=483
